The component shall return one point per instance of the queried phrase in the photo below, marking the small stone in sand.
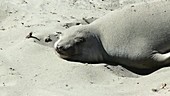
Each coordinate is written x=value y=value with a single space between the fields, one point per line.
x=48 y=39
x=12 y=69
x=3 y=29
x=155 y=90
x=22 y=23
x=3 y=84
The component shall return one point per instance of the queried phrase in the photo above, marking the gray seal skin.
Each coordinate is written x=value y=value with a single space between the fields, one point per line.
x=137 y=36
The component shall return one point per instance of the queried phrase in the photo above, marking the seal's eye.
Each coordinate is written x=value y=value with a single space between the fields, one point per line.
x=80 y=39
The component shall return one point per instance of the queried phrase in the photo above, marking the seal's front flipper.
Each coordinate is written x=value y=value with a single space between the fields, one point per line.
x=161 y=57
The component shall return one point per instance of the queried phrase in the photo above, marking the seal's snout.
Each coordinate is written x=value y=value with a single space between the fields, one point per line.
x=64 y=50
x=60 y=49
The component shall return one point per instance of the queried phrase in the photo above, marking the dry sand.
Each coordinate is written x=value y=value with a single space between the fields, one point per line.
x=29 y=67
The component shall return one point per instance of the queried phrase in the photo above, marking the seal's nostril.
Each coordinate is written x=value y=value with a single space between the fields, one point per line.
x=59 y=48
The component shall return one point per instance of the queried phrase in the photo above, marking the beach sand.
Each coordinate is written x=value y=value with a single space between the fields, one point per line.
x=29 y=67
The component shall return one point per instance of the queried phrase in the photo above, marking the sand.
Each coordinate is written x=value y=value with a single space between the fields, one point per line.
x=29 y=67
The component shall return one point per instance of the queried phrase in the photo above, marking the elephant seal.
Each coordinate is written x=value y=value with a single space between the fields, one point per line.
x=137 y=36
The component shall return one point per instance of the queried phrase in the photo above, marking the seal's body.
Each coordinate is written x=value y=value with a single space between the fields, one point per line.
x=137 y=36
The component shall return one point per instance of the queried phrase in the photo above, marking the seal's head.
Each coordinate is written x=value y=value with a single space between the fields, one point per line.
x=80 y=43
